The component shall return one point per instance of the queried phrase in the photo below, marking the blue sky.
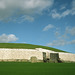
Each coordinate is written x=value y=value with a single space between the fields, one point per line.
x=41 y=22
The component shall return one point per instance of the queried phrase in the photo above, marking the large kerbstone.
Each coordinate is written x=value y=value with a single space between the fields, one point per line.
x=54 y=57
x=33 y=59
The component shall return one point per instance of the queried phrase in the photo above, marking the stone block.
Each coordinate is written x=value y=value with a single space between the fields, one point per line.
x=33 y=59
x=54 y=57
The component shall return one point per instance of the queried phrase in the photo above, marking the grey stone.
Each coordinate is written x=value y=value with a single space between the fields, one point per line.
x=33 y=59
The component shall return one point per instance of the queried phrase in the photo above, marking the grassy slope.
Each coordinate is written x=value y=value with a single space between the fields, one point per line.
x=21 y=68
x=26 y=46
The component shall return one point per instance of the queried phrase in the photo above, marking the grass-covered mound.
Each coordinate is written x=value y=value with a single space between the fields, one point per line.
x=22 y=68
x=26 y=46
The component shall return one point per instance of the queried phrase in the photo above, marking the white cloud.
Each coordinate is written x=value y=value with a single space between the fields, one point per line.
x=17 y=8
x=26 y=18
x=61 y=43
x=62 y=7
x=50 y=26
x=56 y=14
x=29 y=18
x=57 y=33
x=7 y=38
x=73 y=7
x=57 y=43
x=62 y=39
x=65 y=13
x=72 y=42
x=70 y=30
x=65 y=36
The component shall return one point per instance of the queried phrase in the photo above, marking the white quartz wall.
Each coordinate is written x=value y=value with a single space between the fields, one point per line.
x=20 y=54
x=28 y=53
x=67 y=57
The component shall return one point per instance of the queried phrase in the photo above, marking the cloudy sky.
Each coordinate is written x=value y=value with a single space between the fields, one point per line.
x=41 y=22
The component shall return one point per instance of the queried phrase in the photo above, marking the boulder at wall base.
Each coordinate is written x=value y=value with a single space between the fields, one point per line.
x=54 y=58
x=33 y=59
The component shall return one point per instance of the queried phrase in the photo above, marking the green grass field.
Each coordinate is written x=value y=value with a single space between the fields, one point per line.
x=26 y=46
x=21 y=68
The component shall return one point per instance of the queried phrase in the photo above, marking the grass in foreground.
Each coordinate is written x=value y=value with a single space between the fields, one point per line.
x=21 y=68
x=26 y=46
